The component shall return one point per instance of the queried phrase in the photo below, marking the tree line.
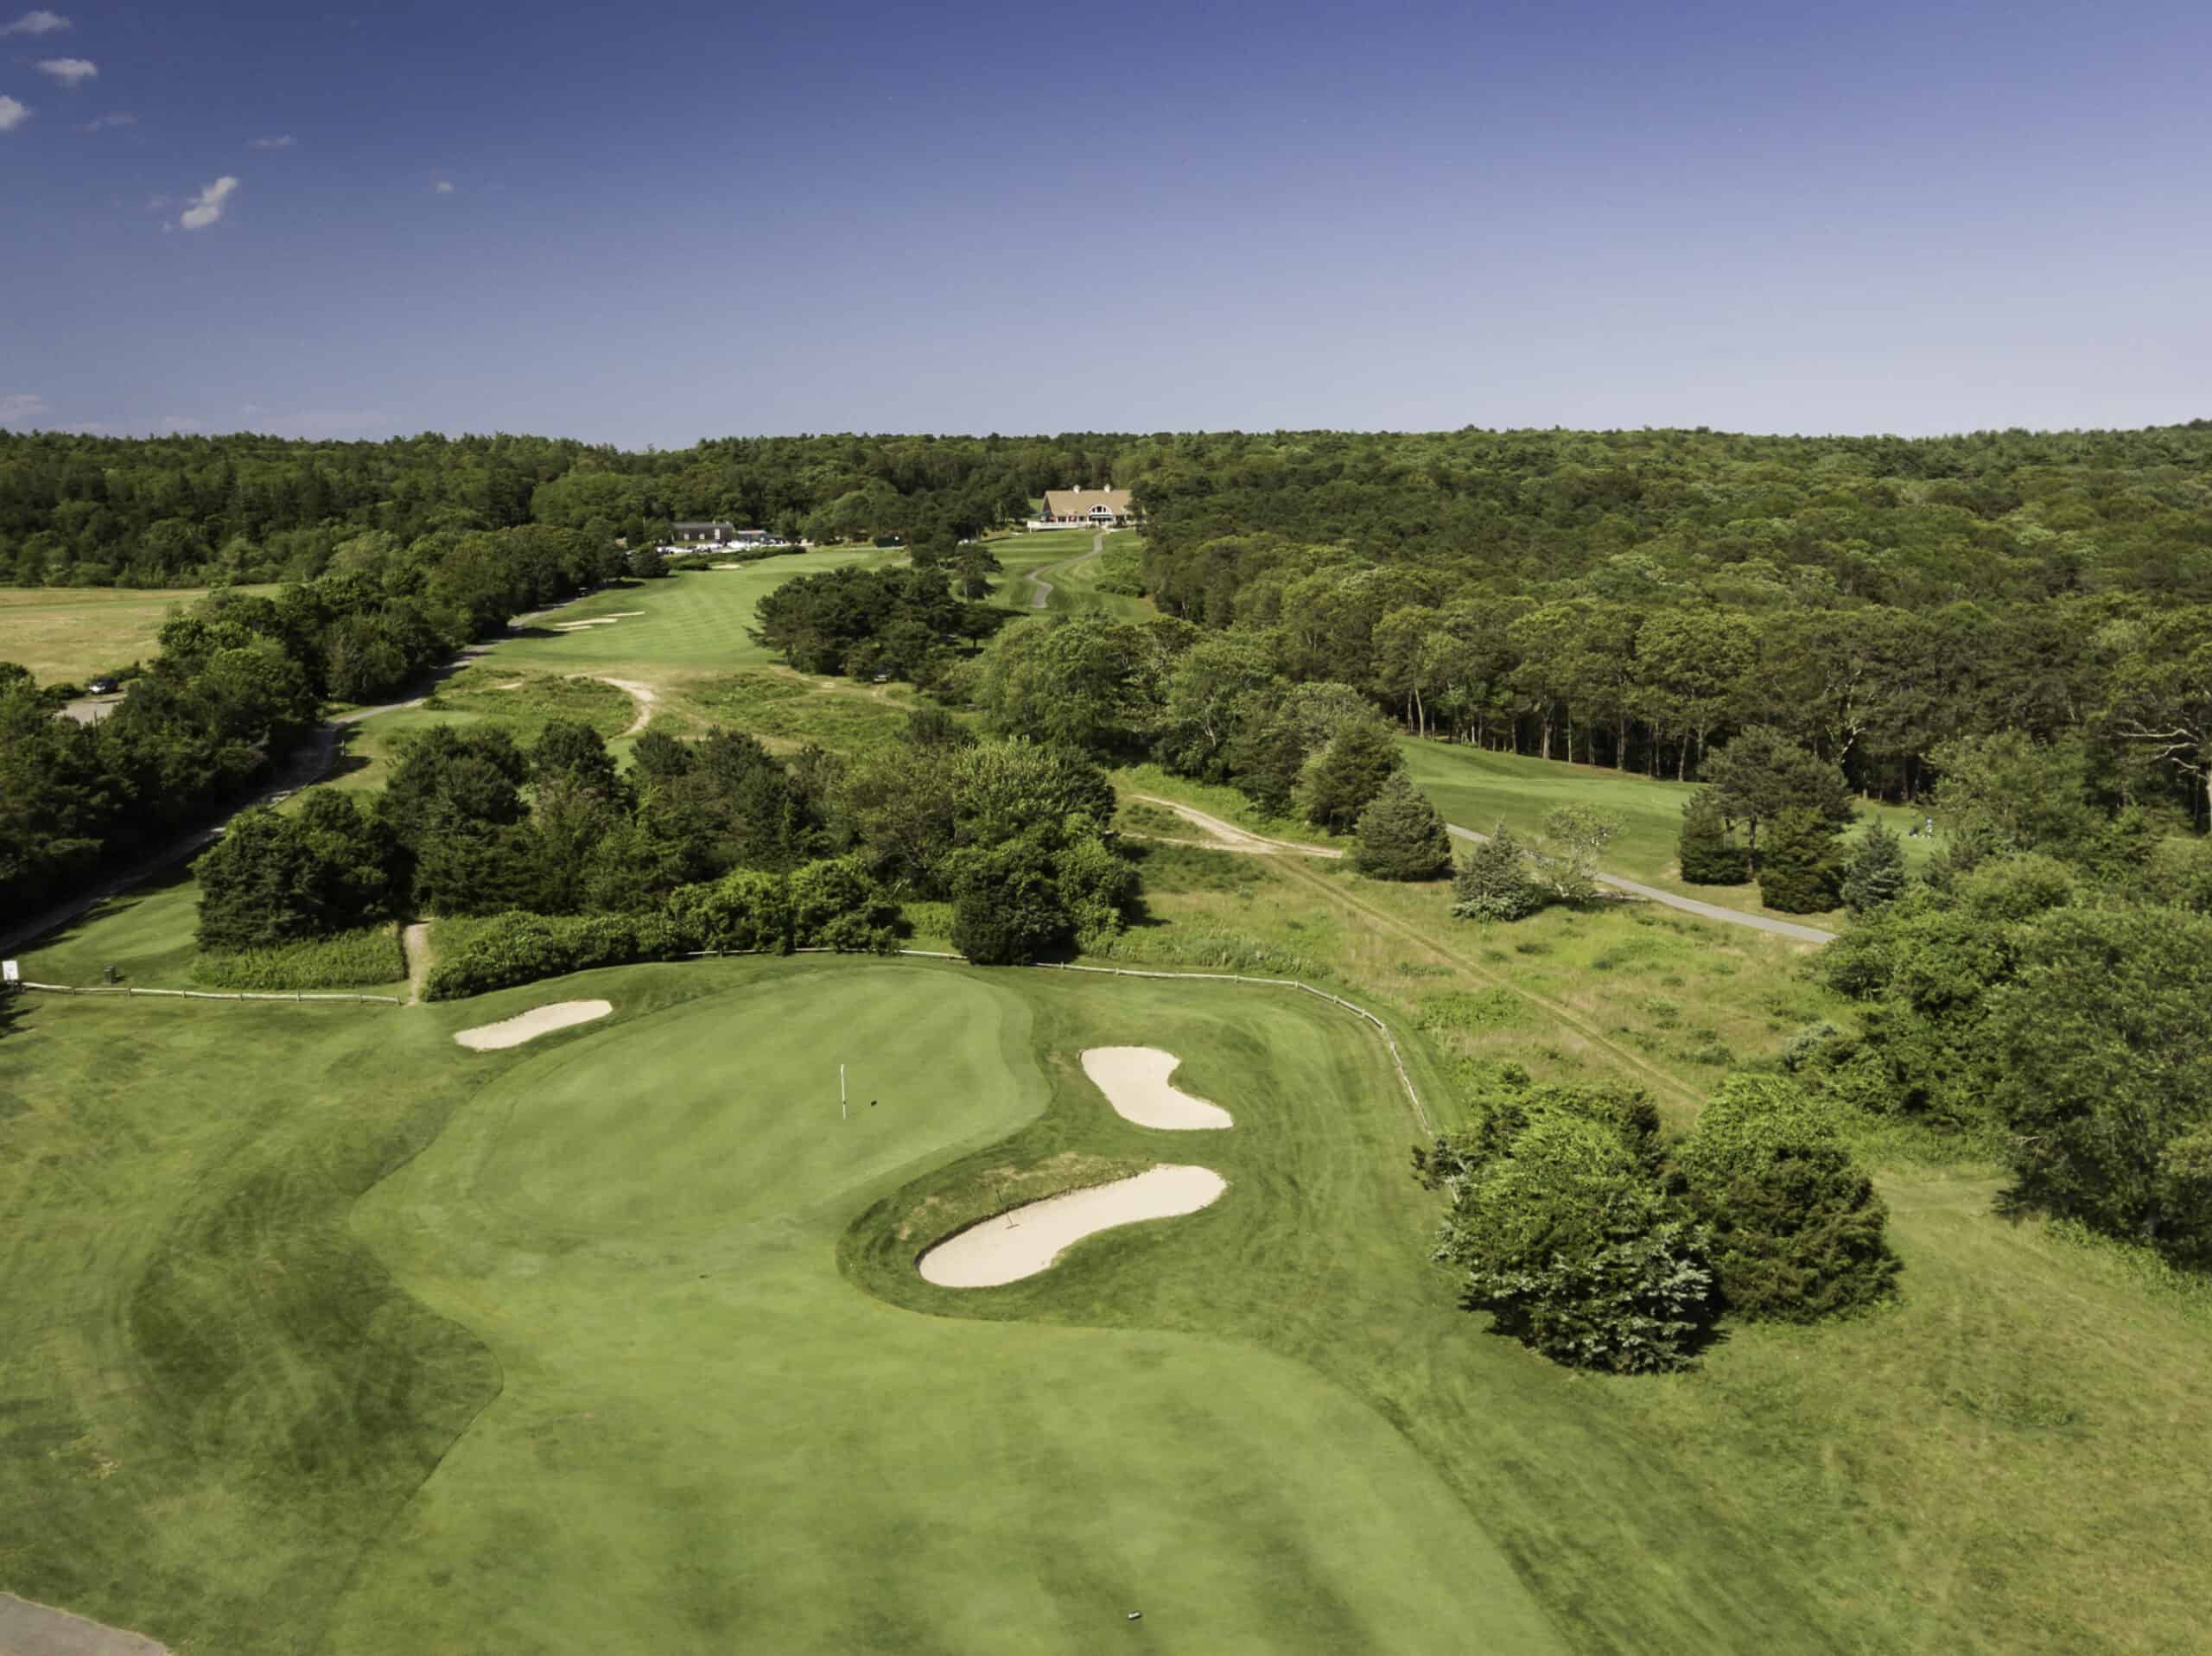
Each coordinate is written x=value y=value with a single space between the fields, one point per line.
x=714 y=844
x=238 y=680
x=199 y=510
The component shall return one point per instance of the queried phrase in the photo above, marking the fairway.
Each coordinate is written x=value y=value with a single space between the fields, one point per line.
x=696 y=620
x=67 y=634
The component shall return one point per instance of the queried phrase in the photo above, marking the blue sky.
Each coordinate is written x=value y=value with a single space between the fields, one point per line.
x=653 y=223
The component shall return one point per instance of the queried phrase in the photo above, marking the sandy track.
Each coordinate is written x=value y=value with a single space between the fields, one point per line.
x=528 y=1027
x=1030 y=1238
x=643 y=695
x=29 y=1630
x=1227 y=836
x=1134 y=1081
x=415 y=949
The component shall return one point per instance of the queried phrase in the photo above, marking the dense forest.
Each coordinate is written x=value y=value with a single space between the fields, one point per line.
x=1631 y=599
x=187 y=512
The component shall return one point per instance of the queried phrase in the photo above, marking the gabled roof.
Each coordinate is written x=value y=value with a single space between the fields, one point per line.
x=1077 y=503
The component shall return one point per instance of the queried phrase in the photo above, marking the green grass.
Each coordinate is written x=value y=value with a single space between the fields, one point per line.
x=326 y=1336
x=1477 y=788
x=787 y=710
x=631 y=1399
x=1229 y=804
x=369 y=957
x=69 y=634
x=696 y=620
x=146 y=934
x=347 y=1341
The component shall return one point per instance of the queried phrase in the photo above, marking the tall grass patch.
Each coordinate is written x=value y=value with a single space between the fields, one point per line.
x=350 y=960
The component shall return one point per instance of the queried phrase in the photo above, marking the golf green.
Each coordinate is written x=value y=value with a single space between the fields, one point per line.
x=708 y=1436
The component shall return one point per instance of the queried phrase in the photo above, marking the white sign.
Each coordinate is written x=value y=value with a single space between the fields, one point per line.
x=8 y=972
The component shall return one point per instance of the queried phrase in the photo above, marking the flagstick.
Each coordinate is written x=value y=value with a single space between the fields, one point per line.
x=841 y=1093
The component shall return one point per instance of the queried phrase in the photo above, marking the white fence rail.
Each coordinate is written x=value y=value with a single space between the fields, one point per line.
x=211 y=994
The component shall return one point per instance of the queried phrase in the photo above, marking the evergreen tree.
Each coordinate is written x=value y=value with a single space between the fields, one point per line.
x=1706 y=849
x=1874 y=873
x=1797 y=1229
x=1340 y=781
x=1494 y=882
x=1401 y=836
x=1798 y=870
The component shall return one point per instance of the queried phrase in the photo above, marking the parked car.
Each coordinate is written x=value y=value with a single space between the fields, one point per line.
x=102 y=687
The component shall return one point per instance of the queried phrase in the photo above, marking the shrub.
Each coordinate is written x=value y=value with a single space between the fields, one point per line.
x=1706 y=849
x=1005 y=905
x=1797 y=1229
x=834 y=905
x=1401 y=836
x=514 y=947
x=347 y=960
x=1563 y=1229
x=746 y=910
x=1494 y=883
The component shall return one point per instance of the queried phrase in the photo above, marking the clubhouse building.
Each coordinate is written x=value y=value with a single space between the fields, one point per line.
x=1098 y=508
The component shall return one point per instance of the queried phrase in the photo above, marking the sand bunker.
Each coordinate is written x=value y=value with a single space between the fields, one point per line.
x=572 y=626
x=1134 y=1081
x=1028 y=1240
x=528 y=1027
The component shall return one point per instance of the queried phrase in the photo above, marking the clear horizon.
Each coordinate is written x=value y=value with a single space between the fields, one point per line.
x=689 y=222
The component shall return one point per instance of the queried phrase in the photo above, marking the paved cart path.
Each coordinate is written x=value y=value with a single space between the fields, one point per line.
x=1230 y=837
x=1041 y=589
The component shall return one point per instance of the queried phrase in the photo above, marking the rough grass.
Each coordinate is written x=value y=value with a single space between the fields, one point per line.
x=369 y=957
x=1229 y=804
x=788 y=711
x=69 y=634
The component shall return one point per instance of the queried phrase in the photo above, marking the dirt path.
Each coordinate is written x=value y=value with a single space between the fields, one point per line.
x=1227 y=836
x=415 y=945
x=643 y=695
x=1041 y=590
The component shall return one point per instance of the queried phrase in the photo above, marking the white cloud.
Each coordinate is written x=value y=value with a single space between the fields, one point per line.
x=12 y=114
x=443 y=187
x=36 y=22
x=207 y=206
x=251 y=411
x=70 y=71
x=284 y=142
x=23 y=408
x=99 y=121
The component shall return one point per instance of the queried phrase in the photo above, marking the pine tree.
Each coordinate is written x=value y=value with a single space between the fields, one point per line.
x=1708 y=849
x=1874 y=876
x=1494 y=882
x=1401 y=836
x=1342 y=778
x=1798 y=869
